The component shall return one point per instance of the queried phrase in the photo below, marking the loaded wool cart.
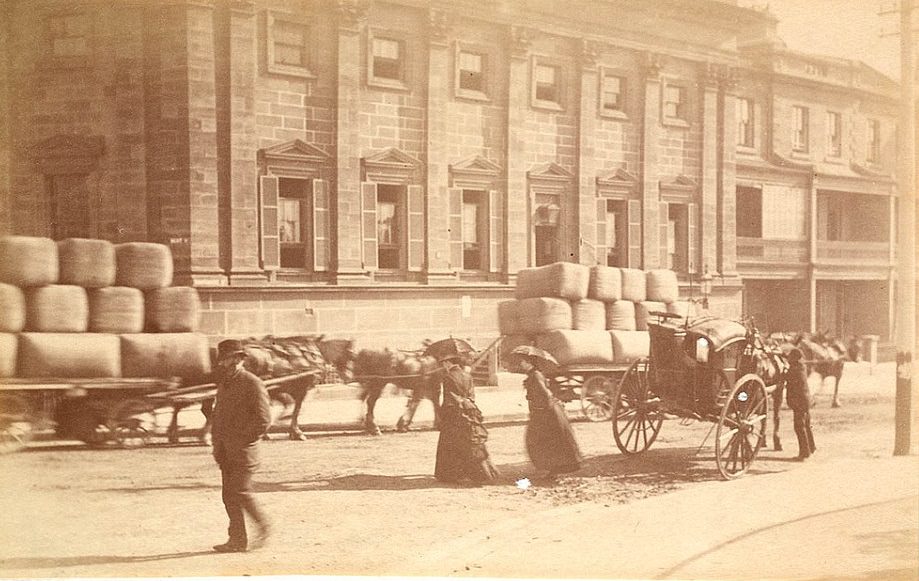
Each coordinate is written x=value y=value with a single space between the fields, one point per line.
x=84 y=325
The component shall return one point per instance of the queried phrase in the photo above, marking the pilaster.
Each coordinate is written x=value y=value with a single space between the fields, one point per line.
x=727 y=177
x=587 y=156
x=519 y=213
x=351 y=15
x=711 y=161
x=438 y=175
x=650 y=176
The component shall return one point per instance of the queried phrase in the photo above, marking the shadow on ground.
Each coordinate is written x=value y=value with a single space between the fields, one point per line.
x=80 y=561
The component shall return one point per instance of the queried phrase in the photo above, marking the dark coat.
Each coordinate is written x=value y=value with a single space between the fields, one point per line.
x=242 y=416
x=797 y=393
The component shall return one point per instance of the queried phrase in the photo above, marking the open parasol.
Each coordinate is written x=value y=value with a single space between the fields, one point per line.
x=542 y=358
x=447 y=348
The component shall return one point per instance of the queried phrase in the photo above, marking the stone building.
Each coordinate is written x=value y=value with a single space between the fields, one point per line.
x=384 y=169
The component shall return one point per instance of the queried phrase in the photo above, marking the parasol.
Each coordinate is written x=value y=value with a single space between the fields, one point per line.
x=447 y=348
x=542 y=358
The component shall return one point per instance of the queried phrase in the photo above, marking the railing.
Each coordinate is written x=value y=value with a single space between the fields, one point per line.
x=875 y=253
x=764 y=250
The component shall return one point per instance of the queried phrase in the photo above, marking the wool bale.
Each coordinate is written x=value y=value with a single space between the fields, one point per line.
x=57 y=308
x=662 y=285
x=508 y=313
x=8 y=348
x=511 y=342
x=143 y=265
x=185 y=355
x=634 y=285
x=541 y=314
x=69 y=355
x=571 y=347
x=643 y=314
x=86 y=262
x=620 y=315
x=28 y=261
x=116 y=309
x=605 y=283
x=562 y=279
x=12 y=308
x=173 y=309
x=630 y=345
x=588 y=315
x=684 y=309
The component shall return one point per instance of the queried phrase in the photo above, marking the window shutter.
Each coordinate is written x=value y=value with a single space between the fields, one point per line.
x=455 y=226
x=664 y=224
x=600 y=248
x=415 y=227
x=634 y=234
x=369 y=246
x=270 y=240
x=692 y=234
x=495 y=231
x=321 y=225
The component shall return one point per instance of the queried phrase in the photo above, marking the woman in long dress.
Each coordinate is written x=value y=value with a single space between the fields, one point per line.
x=550 y=440
x=461 y=452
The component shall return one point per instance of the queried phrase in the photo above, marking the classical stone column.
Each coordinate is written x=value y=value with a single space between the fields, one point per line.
x=588 y=213
x=712 y=152
x=351 y=14
x=519 y=234
x=6 y=202
x=650 y=176
x=438 y=211
x=242 y=142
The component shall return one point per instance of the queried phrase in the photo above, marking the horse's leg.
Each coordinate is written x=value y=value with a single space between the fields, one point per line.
x=776 y=416
x=837 y=374
x=411 y=406
x=372 y=393
x=298 y=393
x=173 y=432
x=207 y=407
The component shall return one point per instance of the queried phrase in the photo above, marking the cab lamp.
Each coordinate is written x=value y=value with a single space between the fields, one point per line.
x=702 y=349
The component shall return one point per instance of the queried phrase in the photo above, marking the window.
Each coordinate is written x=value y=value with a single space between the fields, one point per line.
x=833 y=134
x=674 y=102
x=70 y=209
x=69 y=35
x=800 y=136
x=616 y=229
x=678 y=237
x=546 y=230
x=745 y=122
x=474 y=235
x=612 y=94
x=388 y=61
x=287 y=46
x=784 y=213
x=471 y=79
x=547 y=85
x=389 y=226
x=293 y=222
x=874 y=140
x=749 y=212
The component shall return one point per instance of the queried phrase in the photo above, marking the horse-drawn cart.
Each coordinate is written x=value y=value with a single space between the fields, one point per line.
x=709 y=369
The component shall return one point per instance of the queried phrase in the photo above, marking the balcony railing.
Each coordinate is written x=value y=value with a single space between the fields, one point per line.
x=777 y=251
x=874 y=253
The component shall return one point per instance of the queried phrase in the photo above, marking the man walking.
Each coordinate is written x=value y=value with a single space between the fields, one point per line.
x=241 y=417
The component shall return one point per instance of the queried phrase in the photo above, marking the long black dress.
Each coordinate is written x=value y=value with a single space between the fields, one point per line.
x=461 y=451
x=550 y=441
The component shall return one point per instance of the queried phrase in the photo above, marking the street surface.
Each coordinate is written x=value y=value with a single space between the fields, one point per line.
x=351 y=504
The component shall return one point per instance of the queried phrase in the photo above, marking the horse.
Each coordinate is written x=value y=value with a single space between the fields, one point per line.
x=771 y=364
x=823 y=354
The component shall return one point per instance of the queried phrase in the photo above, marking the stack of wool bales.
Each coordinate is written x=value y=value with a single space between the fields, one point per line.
x=89 y=308
x=587 y=315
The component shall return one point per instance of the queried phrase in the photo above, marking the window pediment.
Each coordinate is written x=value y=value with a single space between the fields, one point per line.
x=391 y=166
x=681 y=187
x=297 y=151
x=620 y=181
x=550 y=172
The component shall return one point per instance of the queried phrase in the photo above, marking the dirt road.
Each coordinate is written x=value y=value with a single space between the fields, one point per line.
x=360 y=505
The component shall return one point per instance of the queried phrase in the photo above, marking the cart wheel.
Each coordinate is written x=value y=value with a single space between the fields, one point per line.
x=637 y=417
x=596 y=398
x=742 y=427
x=132 y=422
x=15 y=424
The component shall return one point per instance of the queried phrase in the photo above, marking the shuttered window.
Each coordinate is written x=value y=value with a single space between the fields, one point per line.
x=270 y=224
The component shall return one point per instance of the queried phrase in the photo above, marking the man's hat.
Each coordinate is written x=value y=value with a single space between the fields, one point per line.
x=230 y=347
